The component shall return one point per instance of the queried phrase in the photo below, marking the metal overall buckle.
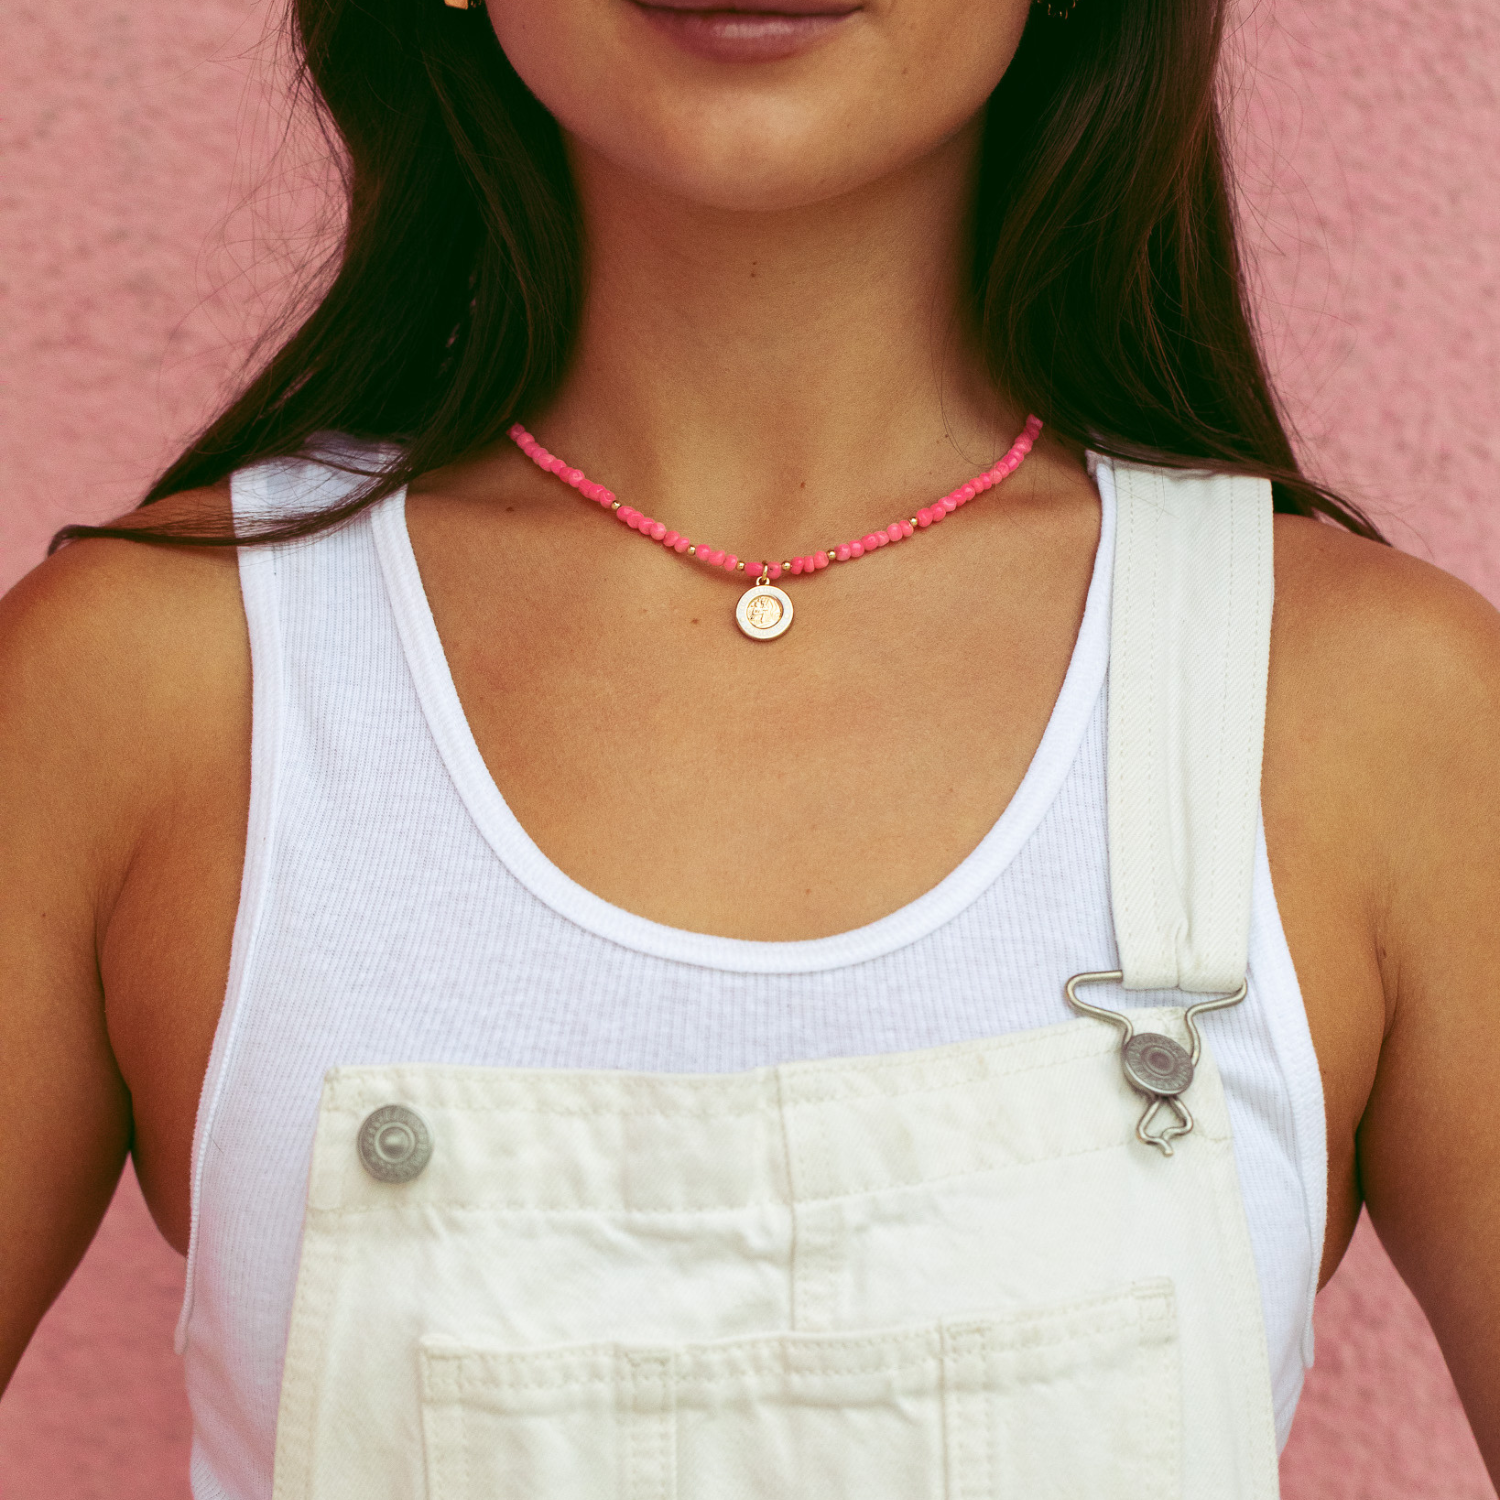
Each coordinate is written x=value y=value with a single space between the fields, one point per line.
x=1154 y=1065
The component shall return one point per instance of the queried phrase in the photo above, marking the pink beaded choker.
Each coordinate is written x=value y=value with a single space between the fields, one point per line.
x=764 y=612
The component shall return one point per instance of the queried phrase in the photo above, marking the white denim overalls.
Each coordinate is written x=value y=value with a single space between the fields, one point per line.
x=968 y=1272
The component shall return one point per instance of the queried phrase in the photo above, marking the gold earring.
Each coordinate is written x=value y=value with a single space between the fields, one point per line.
x=1060 y=14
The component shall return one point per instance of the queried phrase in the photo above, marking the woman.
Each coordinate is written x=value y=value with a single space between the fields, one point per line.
x=624 y=995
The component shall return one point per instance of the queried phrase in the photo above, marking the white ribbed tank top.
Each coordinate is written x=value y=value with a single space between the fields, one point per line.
x=393 y=910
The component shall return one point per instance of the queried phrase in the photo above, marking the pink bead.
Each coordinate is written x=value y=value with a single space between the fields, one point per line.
x=681 y=544
x=670 y=539
x=555 y=465
x=658 y=531
x=820 y=559
x=796 y=566
x=893 y=531
x=856 y=549
x=924 y=517
x=624 y=514
x=949 y=504
x=516 y=433
x=842 y=552
x=715 y=557
x=573 y=476
x=774 y=572
x=729 y=561
x=937 y=512
x=606 y=497
x=967 y=492
x=906 y=529
x=869 y=543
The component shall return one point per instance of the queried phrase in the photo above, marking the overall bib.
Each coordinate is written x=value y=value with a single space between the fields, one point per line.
x=966 y=1272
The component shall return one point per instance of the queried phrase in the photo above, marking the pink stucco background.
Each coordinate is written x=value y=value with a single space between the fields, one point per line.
x=151 y=199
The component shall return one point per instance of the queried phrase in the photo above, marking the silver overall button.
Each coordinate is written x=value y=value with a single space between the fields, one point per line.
x=1156 y=1065
x=394 y=1143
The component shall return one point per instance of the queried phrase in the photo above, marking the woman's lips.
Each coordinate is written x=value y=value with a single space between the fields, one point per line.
x=747 y=34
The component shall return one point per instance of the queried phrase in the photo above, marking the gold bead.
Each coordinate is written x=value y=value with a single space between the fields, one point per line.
x=692 y=552
x=912 y=522
x=786 y=567
x=739 y=567
x=616 y=505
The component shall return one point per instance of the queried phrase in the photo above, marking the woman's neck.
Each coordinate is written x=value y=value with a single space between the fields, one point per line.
x=750 y=374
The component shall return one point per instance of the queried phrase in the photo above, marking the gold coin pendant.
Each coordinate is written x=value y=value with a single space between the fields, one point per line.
x=763 y=612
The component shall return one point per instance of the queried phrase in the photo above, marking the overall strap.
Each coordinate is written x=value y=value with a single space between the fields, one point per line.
x=1190 y=641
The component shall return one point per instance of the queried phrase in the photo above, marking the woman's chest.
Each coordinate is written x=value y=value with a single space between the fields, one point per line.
x=400 y=933
x=757 y=794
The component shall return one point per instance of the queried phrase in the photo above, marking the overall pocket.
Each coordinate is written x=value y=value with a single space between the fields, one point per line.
x=1057 y=1403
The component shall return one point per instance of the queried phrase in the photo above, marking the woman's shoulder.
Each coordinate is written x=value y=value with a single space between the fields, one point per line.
x=1383 y=719
x=1378 y=632
x=119 y=659
x=108 y=599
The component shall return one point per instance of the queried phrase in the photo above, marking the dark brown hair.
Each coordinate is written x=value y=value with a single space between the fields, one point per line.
x=1108 y=285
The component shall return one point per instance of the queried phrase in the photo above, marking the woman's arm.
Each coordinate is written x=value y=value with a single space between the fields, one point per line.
x=1429 y=1143
x=103 y=655
x=1383 y=805
x=64 y=779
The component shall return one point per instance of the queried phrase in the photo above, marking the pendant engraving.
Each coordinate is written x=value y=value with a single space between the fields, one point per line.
x=764 y=612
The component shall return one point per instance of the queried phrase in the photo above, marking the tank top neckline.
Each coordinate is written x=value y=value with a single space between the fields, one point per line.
x=518 y=852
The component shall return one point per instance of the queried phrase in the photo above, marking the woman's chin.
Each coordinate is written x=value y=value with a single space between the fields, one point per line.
x=765 y=105
x=755 y=153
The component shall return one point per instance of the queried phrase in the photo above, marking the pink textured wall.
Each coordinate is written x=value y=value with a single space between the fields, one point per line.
x=138 y=208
